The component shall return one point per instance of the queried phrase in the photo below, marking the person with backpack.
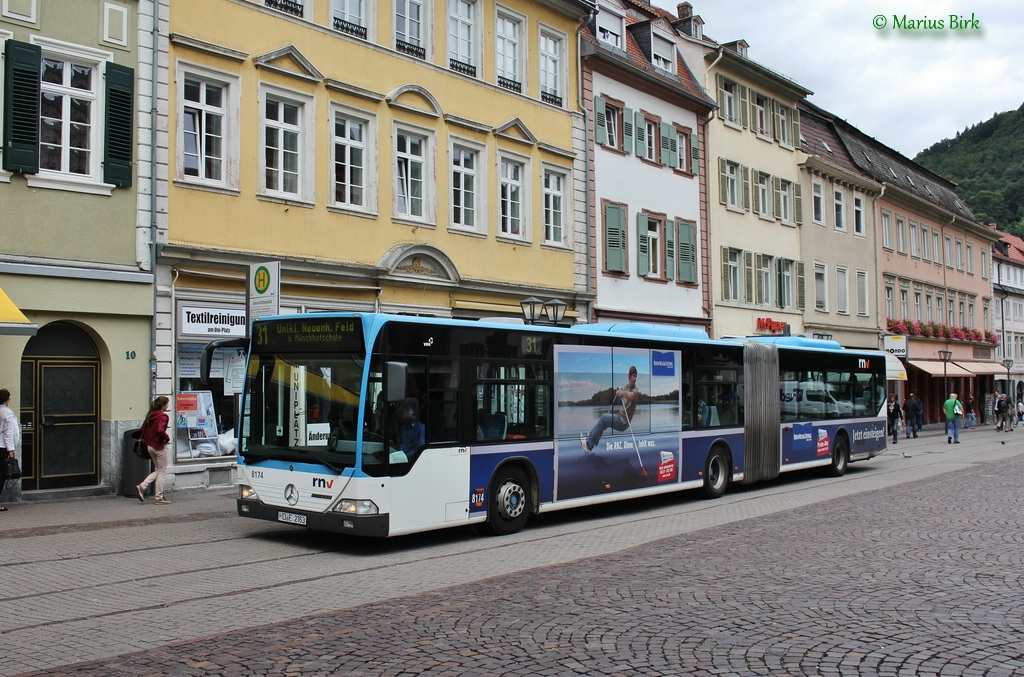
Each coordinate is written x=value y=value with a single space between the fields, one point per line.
x=10 y=436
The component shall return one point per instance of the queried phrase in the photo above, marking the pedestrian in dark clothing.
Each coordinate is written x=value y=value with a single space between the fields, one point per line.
x=894 y=416
x=910 y=411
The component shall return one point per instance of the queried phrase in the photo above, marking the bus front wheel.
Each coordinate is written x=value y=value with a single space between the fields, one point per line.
x=509 y=503
x=717 y=471
x=840 y=457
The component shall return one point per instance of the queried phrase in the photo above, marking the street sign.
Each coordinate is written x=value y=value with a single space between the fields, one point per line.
x=263 y=292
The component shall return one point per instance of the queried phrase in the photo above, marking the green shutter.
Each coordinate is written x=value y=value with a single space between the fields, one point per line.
x=780 y=283
x=778 y=197
x=666 y=145
x=798 y=204
x=117 y=152
x=727 y=292
x=801 y=288
x=723 y=181
x=643 y=262
x=600 y=122
x=758 y=282
x=756 y=194
x=641 y=134
x=748 y=277
x=796 y=128
x=745 y=186
x=628 y=130
x=720 y=82
x=694 y=154
x=21 y=107
x=687 y=251
x=744 y=106
x=670 y=250
x=615 y=238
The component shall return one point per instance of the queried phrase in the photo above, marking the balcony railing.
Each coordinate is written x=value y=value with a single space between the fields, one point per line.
x=348 y=27
x=410 y=49
x=553 y=99
x=287 y=6
x=462 y=67
x=510 y=84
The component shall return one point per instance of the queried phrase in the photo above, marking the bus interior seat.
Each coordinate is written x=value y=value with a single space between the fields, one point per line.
x=492 y=426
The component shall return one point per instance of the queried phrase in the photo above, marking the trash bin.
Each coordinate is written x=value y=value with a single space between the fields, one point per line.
x=134 y=469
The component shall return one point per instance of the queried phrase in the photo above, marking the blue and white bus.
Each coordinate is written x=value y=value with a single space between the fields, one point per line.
x=379 y=425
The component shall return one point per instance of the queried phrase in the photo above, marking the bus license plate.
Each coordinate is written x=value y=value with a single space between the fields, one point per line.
x=291 y=518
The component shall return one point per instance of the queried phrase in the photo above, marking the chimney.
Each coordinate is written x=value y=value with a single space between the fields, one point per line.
x=684 y=10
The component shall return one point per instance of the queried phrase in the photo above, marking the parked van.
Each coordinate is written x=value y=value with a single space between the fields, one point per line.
x=811 y=399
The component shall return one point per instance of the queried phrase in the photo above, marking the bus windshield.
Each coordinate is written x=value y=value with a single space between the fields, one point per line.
x=303 y=407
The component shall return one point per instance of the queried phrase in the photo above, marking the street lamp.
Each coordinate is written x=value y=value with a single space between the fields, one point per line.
x=945 y=356
x=1008 y=363
x=534 y=309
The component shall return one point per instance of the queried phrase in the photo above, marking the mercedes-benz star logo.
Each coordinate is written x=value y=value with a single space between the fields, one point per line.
x=291 y=494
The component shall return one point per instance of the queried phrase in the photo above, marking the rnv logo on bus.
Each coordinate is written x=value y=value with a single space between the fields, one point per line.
x=321 y=483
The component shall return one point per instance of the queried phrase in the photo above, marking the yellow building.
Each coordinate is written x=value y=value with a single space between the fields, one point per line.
x=416 y=157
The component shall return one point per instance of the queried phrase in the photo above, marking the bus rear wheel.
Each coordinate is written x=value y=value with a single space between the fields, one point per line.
x=717 y=470
x=840 y=457
x=509 y=504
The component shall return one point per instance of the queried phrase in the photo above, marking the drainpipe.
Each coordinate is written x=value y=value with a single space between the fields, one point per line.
x=155 y=37
x=586 y=157
x=721 y=53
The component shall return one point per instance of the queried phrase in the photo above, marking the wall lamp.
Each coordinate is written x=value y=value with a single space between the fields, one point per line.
x=536 y=311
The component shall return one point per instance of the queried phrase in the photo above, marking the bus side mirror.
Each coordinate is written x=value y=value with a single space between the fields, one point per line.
x=206 y=357
x=394 y=389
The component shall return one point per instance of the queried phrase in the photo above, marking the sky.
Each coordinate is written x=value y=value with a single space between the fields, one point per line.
x=908 y=88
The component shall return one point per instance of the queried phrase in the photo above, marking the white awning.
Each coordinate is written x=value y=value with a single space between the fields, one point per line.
x=894 y=369
x=936 y=368
x=984 y=368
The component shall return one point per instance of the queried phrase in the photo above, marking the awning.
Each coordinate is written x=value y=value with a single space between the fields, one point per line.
x=894 y=369
x=983 y=368
x=12 y=321
x=934 y=367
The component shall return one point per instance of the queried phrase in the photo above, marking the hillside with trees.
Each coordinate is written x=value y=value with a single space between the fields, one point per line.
x=986 y=160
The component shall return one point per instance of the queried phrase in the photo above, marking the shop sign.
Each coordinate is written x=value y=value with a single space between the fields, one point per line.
x=769 y=325
x=212 y=322
x=895 y=345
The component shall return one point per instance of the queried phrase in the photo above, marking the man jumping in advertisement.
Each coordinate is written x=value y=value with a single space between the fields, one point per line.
x=618 y=421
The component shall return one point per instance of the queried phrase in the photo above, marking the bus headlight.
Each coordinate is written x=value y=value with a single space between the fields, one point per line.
x=357 y=506
x=247 y=492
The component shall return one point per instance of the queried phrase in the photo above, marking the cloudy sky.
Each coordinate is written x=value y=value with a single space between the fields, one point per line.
x=906 y=88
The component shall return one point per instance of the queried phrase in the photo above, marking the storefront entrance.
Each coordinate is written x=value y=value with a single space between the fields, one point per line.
x=60 y=372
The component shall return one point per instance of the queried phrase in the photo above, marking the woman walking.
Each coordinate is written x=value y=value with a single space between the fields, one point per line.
x=154 y=436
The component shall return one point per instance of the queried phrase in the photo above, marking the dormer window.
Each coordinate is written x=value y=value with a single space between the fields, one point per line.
x=697 y=28
x=663 y=54
x=610 y=28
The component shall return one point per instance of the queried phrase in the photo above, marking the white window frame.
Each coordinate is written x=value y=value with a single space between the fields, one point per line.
x=510 y=48
x=425 y=24
x=784 y=119
x=948 y=250
x=904 y=303
x=231 y=88
x=858 y=215
x=886 y=230
x=556 y=200
x=734 y=186
x=821 y=286
x=765 y=274
x=842 y=291
x=115 y=24
x=936 y=247
x=915 y=243
x=839 y=202
x=611 y=27
x=305 y=128
x=926 y=240
x=959 y=254
x=731 y=102
x=652 y=143
x=655 y=247
x=663 y=53
x=478 y=173
x=786 y=216
x=984 y=265
x=96 y=59
x=890 y=307
x=818 y=202
x=464 y=47
x=970 y=259
x=733 y=275
x=551 y=61
x=353 y=11
x=507 y=190
x=428 y=184
x=786 y=292
x=761 y=122
x=901 y=235
x=369 y=147
x=862 y=293
x=6 y=11
x=765 y=196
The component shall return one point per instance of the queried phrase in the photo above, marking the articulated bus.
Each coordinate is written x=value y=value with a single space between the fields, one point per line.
x=379 y=425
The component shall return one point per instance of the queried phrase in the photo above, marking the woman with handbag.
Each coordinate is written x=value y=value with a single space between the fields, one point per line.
x=154 y=436
x=10 y=435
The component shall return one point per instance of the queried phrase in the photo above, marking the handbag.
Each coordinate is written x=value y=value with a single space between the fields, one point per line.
x=139 y=448
x=11 y=469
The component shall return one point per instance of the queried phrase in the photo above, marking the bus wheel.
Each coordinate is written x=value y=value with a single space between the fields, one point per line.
x=509 y=501
x=717 y=470
x=840 y=457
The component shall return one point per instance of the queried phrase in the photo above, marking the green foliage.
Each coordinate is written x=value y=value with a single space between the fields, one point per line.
x=985 y=161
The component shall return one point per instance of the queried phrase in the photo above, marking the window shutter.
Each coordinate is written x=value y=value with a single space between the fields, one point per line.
x=21 y=107
x=600 y=122
x=643 y=262
x=694 y=155
x=778 y=197
x=615 y=238
x=758 y=282
x=780 y=283
x=776 y=127
x=748 y=277
x=800 y=286
x=723 y=181
x=744 y=106
x=727 y=292
x=798 y=204
x=756 y=194
x=687 y=251
x=628 y=130
x=117 y=152
x=666 y=145
x=641 y=134
x=745 y=187
x=720 y=81
x=796 y=128
x=671 y=264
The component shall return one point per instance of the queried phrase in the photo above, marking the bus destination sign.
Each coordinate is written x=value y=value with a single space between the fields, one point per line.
x=312 y=334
